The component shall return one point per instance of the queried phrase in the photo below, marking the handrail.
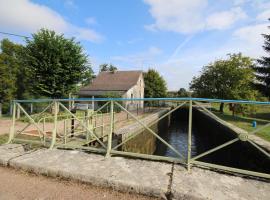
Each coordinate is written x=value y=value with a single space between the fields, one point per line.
x=148 y=99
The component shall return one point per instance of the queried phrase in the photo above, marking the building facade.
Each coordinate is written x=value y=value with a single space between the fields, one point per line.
x=126 y=84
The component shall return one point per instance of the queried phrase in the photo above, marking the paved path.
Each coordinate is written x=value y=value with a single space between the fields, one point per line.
x=17 y=185
x=134 y=175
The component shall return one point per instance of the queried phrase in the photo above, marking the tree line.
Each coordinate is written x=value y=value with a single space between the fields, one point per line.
x=48 y=65
x=237 y=77
x=52 y=66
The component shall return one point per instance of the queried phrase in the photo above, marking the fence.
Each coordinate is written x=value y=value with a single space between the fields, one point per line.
x=93 y=130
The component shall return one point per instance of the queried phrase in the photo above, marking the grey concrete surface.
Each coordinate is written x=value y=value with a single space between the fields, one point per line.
x=10 y=151
x=143 y=177
x=206 y=184
x=134 y=175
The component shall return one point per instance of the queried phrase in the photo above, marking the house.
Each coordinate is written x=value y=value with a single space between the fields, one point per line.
x=127 y=84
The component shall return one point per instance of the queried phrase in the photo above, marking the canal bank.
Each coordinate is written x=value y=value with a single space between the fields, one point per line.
x=207 y=132
x=163 y=180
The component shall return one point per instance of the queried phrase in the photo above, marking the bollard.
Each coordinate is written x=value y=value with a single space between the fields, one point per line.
x=254 y=124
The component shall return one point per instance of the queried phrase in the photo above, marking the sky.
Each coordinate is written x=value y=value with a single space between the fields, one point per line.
x=175 y=37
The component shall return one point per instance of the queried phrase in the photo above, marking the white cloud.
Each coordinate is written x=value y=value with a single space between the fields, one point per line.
x=91 y=21
x=252 y=33
x=263 y=16
x=191 y=16
x=225 y=19
x=177 y=15
x=26 y=16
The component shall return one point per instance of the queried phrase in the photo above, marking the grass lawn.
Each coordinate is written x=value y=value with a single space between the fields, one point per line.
x=262 y=117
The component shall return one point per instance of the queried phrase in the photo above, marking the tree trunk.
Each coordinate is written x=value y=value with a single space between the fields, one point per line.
x=221 y=107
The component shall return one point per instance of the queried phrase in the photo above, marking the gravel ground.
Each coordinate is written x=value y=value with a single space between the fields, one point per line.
x=21 y=185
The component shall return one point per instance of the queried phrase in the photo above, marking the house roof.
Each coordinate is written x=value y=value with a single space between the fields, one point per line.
x=111 y=82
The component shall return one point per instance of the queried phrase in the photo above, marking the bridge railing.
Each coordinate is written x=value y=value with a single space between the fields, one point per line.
x=61 y=125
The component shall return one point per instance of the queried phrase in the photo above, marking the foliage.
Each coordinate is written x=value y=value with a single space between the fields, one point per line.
x=107 y=68
x=263 y=69
x=182 y=92
x=110 y=95
x=56 y=63
x=226 y=79
x=13 y=82
x=155 y=85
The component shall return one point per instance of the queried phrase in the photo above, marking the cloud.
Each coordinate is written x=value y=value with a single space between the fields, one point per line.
x=191 y=16
x=252 y=33
x=138 y=58
x=225 y=19
x=264 y=16
x=91 y=21
x=26 y=16
x=176 y=15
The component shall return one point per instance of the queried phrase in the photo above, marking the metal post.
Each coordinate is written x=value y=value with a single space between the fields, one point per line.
x=102 y=127
x=189 y=134
x=65 y=131
x=109 y=144
x=56 y=108
x=18 y=113
x=93 y=103
x=10 y=108
x=12 y=128
x=31 y=108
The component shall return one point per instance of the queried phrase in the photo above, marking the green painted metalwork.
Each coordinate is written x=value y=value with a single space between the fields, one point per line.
x=87 y=126
x=109 y=145
x=231 y=169
x=12 y=128
x=56 y=110
x=189 y=134
x=151 y=131
x=154 y=122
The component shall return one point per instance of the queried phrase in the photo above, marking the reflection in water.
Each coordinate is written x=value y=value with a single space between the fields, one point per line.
x=206 y=134
x=176 y=135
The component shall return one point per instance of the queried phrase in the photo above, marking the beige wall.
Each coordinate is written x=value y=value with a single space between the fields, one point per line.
x=137 y=91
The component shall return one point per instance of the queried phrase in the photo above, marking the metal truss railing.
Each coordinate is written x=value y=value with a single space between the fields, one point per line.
x=105 y=140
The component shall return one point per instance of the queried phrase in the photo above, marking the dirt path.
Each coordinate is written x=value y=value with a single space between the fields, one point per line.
x=21 y=185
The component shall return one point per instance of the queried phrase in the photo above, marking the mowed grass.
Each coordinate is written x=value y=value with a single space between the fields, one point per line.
x=261 y=116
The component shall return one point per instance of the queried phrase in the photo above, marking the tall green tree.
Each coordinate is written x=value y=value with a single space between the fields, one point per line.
x=56 y=64
x=107 y=67
x=263 y=68
x=155 y=85
x=226 y=79
x=13 y=79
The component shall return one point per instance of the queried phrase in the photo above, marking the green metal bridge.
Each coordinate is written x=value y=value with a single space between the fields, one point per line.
x=93 y=129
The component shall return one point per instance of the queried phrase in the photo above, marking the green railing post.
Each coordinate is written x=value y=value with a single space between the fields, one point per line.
x=109 y=144
x=189 y=134
x=12 y=128
x=56 y=109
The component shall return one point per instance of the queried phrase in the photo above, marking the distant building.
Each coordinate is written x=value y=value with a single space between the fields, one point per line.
x=127 y=84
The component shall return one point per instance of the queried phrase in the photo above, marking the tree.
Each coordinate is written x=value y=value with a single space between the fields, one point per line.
x=226 y=79
x=263 y=69
x=107 y=68
x=13 y=80
x=56 y=64
x=182 y=92
x=155 y=85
